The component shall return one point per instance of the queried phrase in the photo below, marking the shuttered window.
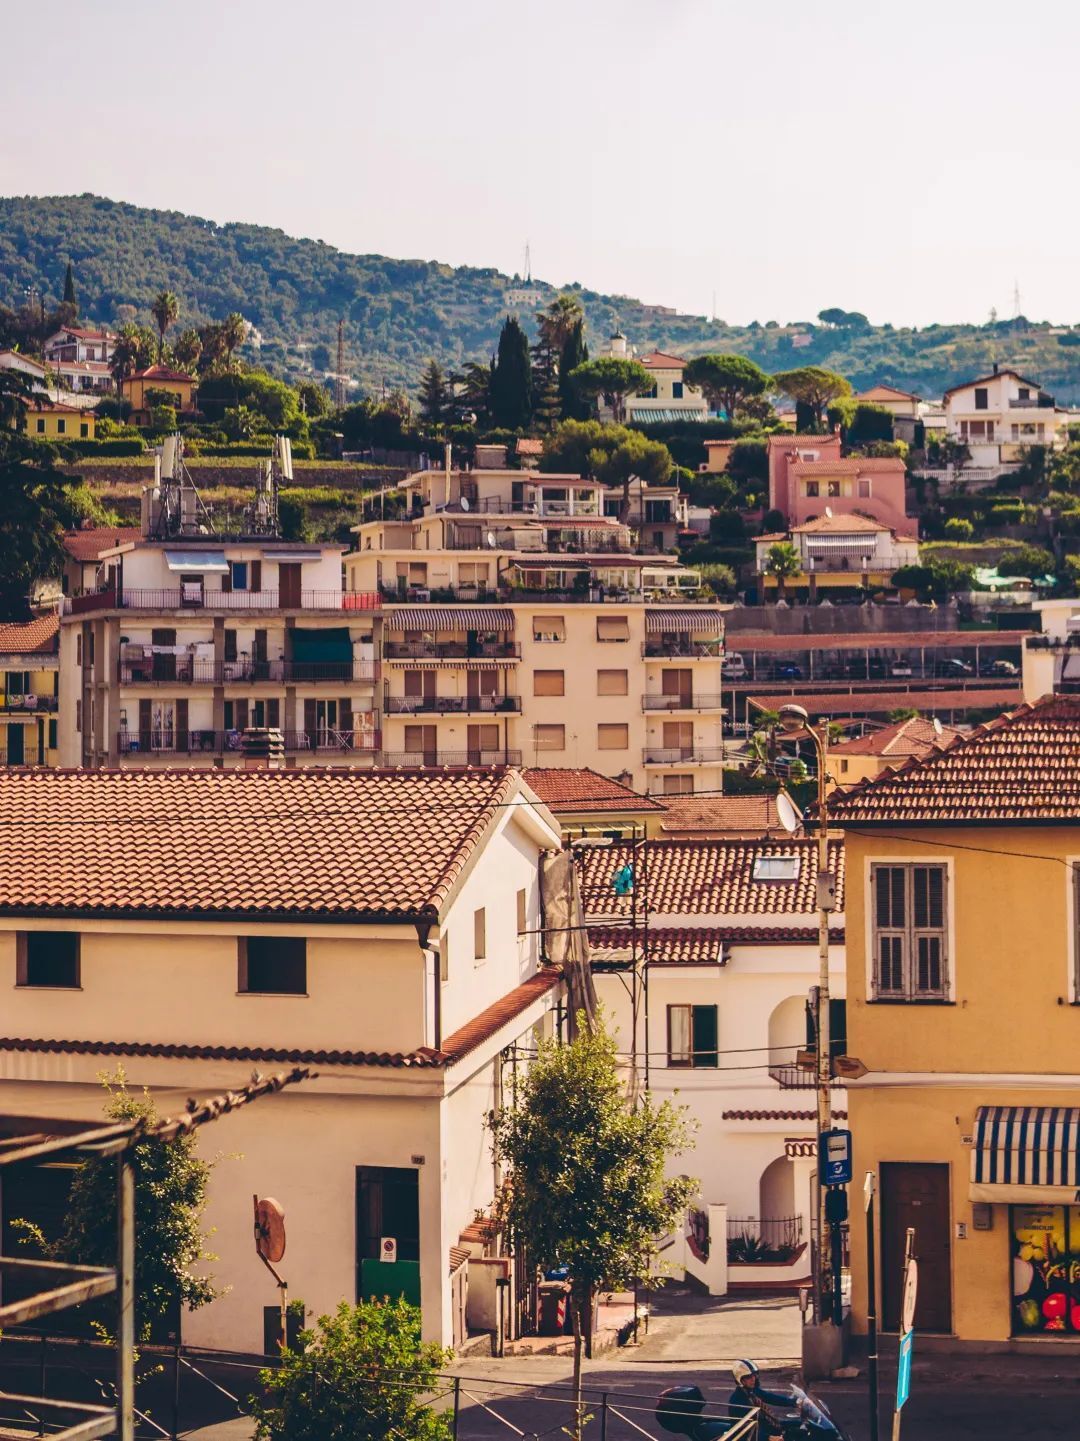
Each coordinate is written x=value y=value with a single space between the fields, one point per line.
x=909 y=931
x=612 y=627
x=549 y=738
x=612 y=682
x=549 y=682
x=692 y=1033
x=612 y=737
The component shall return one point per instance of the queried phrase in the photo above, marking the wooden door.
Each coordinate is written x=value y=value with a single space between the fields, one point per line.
x=163 y=666
x=917 y=1195
x=677 y=686
x=289 y=585
x=421 y=745
x=679 y=736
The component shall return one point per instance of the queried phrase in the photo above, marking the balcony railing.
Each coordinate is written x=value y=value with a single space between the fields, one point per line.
x=790 y=1077
x=185 y=670
x=452 y=650
x=198 y=597
x=170 y=740
x=683 y=755
x=26 y=703
x=754 y=1238
x=431 y=759
x=519 y=542
x=682 y=649
x=451 y=704
x=680 y=702
x=542 y=510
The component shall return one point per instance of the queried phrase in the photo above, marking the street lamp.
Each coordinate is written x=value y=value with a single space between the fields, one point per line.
x=795 y=718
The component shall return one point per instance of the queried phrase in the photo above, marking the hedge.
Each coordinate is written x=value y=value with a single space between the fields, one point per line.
x=107 y=447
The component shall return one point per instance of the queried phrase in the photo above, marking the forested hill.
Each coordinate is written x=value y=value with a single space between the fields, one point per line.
x=398 y=313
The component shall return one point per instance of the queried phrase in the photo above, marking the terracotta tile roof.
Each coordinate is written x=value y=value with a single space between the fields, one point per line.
x=914 y=737
x=701 y=815
x=161 y=372
x=31 y=636
x=658 y=360
x=888 y=390
x=568 y=791
x=841 y=524
x=454 y=1048
x=705 y=878
x=881 y=702
x=88 y=545
x=802 y=442
x=527 y=445
x=331 y=845
x=776 y=1115
x=89 y=367
x=686 y=945
x=982 y=379
x=853 y=465
x=1020 y=769
x=82 y=334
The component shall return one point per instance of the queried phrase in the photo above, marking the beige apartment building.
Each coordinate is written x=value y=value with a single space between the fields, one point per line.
x=520 y=625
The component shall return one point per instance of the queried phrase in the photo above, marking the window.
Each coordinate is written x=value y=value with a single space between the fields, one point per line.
x=692 y=1036
x=982 y=398
x=834 y=488
x=776 y=868
x=272 y=966
x=612 y=682
x=863 y=489
x=61 y=427
x=549 y=738
x=1024 y=393
x=843 y=767
x=522 y=912
x=550 y=629
x=549 y=682
x=41 y=427
x=52 y=735
x=78 y=716
x=84 y=430
x=909 y=932
x=479 y=925
x=47 y=958
x=678 y=785
x=78 y=648
x=239 y=573
x=813 y=489
x=612 y=627
x=612 y=737
x=676 y=390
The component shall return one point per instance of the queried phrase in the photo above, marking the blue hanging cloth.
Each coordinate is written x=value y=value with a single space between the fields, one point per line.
x=623 y=879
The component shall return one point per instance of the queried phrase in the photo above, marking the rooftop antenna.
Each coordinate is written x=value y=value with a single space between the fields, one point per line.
x=339 y=387
x=261 y=518
x=178 y=508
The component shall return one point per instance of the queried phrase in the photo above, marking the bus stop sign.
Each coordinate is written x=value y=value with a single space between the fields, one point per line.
x=834 y=1157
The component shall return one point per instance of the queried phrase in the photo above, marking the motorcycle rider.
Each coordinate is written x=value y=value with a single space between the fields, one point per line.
x=749 y=1395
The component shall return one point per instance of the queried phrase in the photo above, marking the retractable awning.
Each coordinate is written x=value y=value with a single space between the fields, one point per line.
x=697 y=620
x=207 y=561
x=450 y=617
x=1026 y=1154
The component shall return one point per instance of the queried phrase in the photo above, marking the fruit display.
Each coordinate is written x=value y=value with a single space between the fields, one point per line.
x=1046 y=1269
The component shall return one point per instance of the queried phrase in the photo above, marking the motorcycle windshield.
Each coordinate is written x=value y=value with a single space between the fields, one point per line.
x=810 y=1408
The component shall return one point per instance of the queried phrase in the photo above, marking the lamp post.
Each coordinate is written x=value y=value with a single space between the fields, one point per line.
x=795 y=718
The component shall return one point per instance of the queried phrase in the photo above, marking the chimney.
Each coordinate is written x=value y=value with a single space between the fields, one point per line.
x=263 y=749
x=995 y=367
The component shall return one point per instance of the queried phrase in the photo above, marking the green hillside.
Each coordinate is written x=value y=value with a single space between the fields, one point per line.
x=398 y=313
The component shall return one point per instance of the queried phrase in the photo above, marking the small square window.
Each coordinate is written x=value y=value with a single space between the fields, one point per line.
x=776 y=868
x=40 y=427
x=272 y=966
x=61 y=427
x=84 y=430
x=612 y=737
x=548 y=682
x=48 y=958
x=549 y=737
x=480 y=934
x=692 y=1036
x=239 y=574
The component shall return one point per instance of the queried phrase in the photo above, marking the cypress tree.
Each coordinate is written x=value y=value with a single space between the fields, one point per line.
x=511 y=383
x=69 y=288
x=434 y=394
x=574 y=353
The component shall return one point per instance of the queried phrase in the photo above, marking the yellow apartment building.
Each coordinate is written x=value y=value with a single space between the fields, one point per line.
x=28 y=697
x=963 y=1001
x=52 y=420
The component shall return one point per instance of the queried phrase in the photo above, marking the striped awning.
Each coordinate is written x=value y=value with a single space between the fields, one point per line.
x=697 y=620
x=450 y=617
x=1026 y=1153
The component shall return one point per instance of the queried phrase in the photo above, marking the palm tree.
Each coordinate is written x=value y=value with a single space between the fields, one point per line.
x=233 y=334
x=557 y=321
x=165 y=309
x=782 y=562
x=130 y=351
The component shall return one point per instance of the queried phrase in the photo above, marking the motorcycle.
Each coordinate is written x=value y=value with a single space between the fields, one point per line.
x=679 y=1410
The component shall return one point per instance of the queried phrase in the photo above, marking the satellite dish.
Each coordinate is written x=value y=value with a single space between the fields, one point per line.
x=788 y=813
x=828 y=512
x=465 y=502
x=269 y=1229
x=937 y=726
x=491 y=539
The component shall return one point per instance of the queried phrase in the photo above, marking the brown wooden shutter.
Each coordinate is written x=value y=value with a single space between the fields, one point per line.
x=182 y=725
x=273 y=713
x=345 y=716
x=226 y=580
x=256 y=575
x=241 y=963
x=144 y=724
x=241 y=715
x=230 y=645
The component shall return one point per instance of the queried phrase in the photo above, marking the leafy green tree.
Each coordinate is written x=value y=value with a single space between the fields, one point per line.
x=558 y=320
x=187 y=350
x=314 y=401
x=16 y=392
x=293 y=519
x=613 y=379
x=40 y=504
x=357 y=1375
x=956 y=528
x=70 y=297
x=633 y=457
x=511 y=381
x=589 y=1187
x=213 y=346
x=574 y=353
x=134 y=350
x=726 y=380
x=434 y=395
x=233 y=335
x=171 y=1181
x=547 y=406
x=475 y=394
x=1027 y=560
x=814 y=387
x=782 y=562
x=165 y=309
x=720 y=578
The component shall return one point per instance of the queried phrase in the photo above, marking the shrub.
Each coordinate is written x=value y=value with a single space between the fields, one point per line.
x=957 y=529
x=88 y=448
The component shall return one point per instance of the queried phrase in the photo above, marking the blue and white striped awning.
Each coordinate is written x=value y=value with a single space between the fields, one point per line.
x=1026 y=1153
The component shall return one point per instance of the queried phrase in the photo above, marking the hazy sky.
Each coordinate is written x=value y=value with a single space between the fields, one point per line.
x=911 y=161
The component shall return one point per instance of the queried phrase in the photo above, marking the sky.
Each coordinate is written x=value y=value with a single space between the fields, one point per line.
x=915 y=162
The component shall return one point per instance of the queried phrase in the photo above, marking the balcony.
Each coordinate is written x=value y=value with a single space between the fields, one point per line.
x=440 y=594
x=451 y=704
x=411 y=650
x=681 y=702
x=676 y=649
x=432 y=759
x=171 y=741
x=764 y=1240
x=683 y=755
x=27 y=703
x=790 y=1077
x=198 y=598
x=187 y=670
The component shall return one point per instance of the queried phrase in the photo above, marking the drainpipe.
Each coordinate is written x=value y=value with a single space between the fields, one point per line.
x=431 y=953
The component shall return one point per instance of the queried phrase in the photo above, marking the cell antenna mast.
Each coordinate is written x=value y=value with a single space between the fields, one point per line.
x=339 y=388
x=528 y=265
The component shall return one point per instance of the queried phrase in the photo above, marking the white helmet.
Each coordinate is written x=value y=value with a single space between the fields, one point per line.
x=744 y=1371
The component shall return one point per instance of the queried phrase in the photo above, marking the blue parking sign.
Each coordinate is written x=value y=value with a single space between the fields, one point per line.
x=834 y=1157
x=903 y=1374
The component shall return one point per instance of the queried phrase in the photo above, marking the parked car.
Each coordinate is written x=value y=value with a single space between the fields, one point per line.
x=787 y=670
x=860 y=669
x=733 y=667
x=952 y=666
x=901 y=669
x=999 y=667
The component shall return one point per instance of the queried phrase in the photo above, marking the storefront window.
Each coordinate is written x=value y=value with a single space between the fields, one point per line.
x=1045 y=1269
